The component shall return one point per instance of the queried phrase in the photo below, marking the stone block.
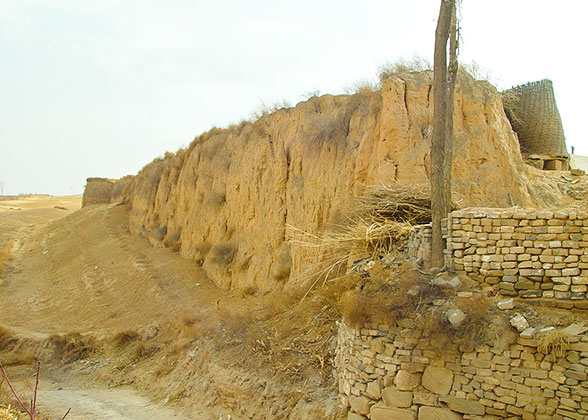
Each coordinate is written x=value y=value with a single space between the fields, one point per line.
x=381 y=412
x=398 y=399
x=505 y=304
x=464 y=406
x=437 y=380
x=374 y=389
x=406 y=381
x=360 y=404
x=436 y=413
x=354 y=416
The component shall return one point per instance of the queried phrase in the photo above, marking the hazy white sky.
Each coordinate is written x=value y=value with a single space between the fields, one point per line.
x=101 y=87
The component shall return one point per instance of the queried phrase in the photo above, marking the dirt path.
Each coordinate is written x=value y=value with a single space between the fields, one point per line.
x=100 y=404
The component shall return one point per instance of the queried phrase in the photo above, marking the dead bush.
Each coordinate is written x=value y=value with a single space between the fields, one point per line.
x=362 y=88
x=264 y=109
x=222 y=255
x=6 y=338
x=172 y=240
x=73 y=346
x=160 y=233
x=553 y=342
x=385 y=296
x=402 y=65
x=143 y=351
x=124 y=338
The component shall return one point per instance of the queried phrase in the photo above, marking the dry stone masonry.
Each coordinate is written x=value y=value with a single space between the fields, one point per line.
x=529 y=253
x=392 y=373
x=419 y=243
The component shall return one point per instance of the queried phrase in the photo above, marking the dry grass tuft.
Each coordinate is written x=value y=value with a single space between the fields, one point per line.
x=362 y=88
x=386 y=296
x=5 y=258
x=554 y=342
x=123 y=338
x=6 y=337
x=402 y=65
x=222 y=255
x=8 y=412
x=72 y=346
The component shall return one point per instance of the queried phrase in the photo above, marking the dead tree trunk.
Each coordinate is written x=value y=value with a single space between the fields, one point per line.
x=452 y=78
x=439 y=143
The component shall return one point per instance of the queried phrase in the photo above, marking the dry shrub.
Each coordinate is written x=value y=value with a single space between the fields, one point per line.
x=222 y=254
x=554 y=342
x=172 y=240
x=362 y=88
x=18 y=358
x=5 y=258
x=386 y=296
x=477 y=326
x=6 y=338
x=264 y=110
x=159 y=233
x=402 y=65
x=342 y=246
x=73 y=346
x=380 y=224
x=143 y=351
x=123 y=338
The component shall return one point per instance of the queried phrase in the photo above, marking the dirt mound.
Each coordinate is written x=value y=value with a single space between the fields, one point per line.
x=227 y=200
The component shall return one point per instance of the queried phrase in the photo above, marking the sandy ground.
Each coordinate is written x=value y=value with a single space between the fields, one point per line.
x=128 y=331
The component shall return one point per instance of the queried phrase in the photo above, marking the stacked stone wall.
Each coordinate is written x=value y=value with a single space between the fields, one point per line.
x=392 y=373
x=419 y=244
x=529 y=253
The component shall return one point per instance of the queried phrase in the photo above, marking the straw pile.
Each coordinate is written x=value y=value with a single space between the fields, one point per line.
x=380 y=225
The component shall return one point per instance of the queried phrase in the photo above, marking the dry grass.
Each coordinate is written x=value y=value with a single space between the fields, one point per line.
x=344 y=246
x=380 y=224
x=386 y=296
x=402 y=203
x=8 y=412
x=222 y=255
x=6 y=337
x=363 y=88
x=553 y=342
x=402 y=65
x=73 y=346
x=124 y=338
x=5 y=258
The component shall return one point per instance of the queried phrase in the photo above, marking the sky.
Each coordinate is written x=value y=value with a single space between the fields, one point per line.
x=102 y=87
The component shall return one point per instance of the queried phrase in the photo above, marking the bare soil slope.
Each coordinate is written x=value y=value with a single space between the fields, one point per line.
x=101 y=309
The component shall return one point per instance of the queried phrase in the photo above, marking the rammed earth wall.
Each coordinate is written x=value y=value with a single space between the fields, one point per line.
x=529 y=253
x=391 y=373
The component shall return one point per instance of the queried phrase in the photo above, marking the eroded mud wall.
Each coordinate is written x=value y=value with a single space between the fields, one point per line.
x=229 y=199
